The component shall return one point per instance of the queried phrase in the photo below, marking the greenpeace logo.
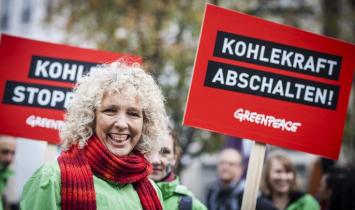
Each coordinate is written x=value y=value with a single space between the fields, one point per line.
x=266 y=120
x=42 y=122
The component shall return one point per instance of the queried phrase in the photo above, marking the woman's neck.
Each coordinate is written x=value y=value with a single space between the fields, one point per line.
x=280 y=201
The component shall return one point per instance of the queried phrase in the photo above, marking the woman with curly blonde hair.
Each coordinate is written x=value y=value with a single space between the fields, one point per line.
x=112 y=123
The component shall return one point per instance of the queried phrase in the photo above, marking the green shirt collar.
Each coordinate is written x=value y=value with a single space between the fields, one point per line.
x=168 y=189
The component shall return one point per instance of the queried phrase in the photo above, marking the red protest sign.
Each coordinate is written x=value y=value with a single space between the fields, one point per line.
x=36 y=83
x=271 y=83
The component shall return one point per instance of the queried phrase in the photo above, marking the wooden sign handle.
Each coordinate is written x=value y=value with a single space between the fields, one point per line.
x=255 y=168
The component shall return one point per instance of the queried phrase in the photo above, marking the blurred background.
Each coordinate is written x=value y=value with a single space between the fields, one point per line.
x=166 y=33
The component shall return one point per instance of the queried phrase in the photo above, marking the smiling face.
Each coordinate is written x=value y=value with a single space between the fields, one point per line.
x=281 y=180
x=164 y=160
x=119 y=122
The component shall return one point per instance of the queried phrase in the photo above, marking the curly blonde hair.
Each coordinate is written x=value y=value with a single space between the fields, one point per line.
x=107 y=78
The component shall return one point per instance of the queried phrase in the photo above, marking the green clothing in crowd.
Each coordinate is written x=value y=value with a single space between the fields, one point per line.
x=42 y=191
x=4 y=176
x=306 y=202
x=172 y=193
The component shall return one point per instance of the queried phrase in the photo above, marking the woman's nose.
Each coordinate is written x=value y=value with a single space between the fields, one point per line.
x=284 y=176
x=121 y=121
x=154 y=159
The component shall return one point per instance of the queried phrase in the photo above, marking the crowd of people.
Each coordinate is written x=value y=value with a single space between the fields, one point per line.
x=280 y=189
x=118 y=152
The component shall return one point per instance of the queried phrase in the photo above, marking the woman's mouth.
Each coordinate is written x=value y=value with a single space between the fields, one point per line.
x=157 y=169
x=119 y=139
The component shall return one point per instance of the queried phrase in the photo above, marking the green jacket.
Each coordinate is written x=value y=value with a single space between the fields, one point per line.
x=4 y=176
x=172 y=193
x=305 y=202
x=42 y=192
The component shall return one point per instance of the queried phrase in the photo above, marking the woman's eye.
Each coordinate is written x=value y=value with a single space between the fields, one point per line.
x=134 y=114
x=109 y=110
x=164 y=151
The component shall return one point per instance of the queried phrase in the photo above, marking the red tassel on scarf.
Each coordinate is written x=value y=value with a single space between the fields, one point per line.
x=78 y=166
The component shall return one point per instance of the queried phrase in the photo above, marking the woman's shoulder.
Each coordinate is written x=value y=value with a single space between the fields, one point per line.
x=303 y=196
x=304 y=200
x=48 y=169
x=47 y=173
x=42 y=190
x=309 y=198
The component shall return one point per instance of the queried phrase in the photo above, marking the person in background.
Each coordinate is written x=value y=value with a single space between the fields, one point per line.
x=279 y=185
x=227 y=192
x=176 y=196
x=328 y=182
x=7 y=154
x=337 y=189
x=318 y=168
x=114 y=119
x=223 y=194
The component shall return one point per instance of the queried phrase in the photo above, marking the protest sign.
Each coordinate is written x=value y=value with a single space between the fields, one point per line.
x=271 y=83
x=36 y=83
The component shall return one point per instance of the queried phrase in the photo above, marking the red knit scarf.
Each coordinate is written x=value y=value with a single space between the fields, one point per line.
x=77 y=167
